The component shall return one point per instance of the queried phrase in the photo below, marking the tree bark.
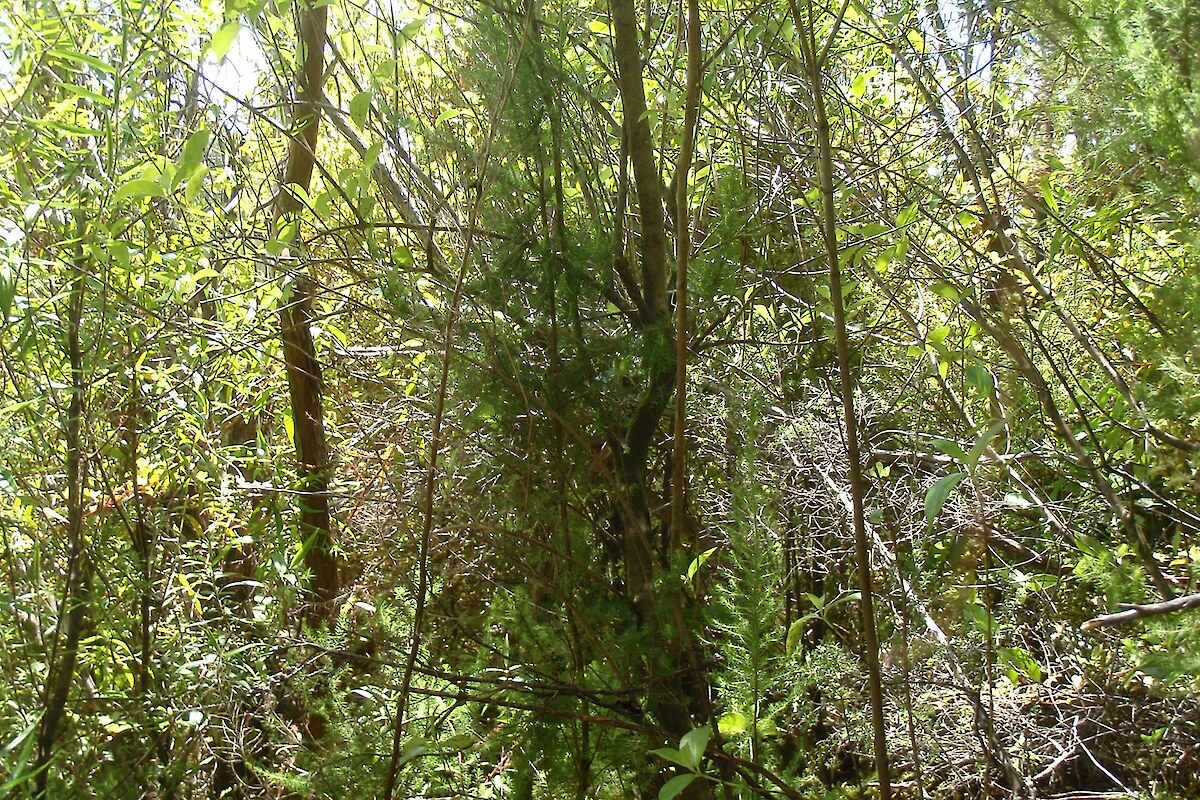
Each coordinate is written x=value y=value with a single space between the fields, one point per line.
x=1142 y=611
x=814 y=59
x=295 y=318
x=683 y=245
x=646 y=180
x=77 y=595
x=312 y=450
x=633 y=514
x=678 y=692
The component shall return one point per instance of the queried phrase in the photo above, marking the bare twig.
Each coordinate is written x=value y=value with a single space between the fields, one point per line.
x=1132 y=612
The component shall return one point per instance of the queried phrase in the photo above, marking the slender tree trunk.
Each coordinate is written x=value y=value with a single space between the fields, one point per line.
x=295 y=319
x=646 y=180
x=632 y=510
x=679 y=695
x=814 y=59
x=77 y=595
x=683 y=245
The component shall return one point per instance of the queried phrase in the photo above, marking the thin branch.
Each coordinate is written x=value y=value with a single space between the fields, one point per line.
x=858 y=484
x=437 y=434
x=1132 y=612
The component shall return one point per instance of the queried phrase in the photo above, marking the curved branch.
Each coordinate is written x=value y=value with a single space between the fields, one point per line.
x=1133 y=612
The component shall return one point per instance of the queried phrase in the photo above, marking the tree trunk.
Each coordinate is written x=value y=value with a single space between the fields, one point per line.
x=295 y=318
x=77 y=595
x=815 y=64
x=679 y=693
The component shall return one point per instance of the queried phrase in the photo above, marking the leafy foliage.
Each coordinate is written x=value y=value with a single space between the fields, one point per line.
x=520 y=610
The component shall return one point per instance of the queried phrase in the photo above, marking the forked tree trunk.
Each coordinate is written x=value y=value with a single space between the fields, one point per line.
x=678 y=697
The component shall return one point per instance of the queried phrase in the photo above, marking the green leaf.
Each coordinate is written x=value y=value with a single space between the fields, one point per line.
x=458 y=742
x=693 y=743
x=733 y=724
x=978 y=617
x=1047 y=192
x=848 y=258
x=599 y=28
x=982 y=443
x=795 y=631
x=139 y=187
x=849 y=597
x=672 y=788
x=950 y=448
x=222 y=40
x=896 y=252
x=369 y=160
x=402 y=257
x=674 y=756
x=154 y=169
x=7 y=293
x=299 y=193
x=194 y=147
x=304 y=549
x=66 y=127
x=1021 y=663
x=449 y=114
x=907 y=216
x=366 y=205
x=360 y=107
x=18 y=771
x=413 y=748
x=289 y=230
x=981 y=378
x=20 y=738
x=337 y=333
x=410 y=30
x=195 y=183
x=83 y=91
x=947 y=291
x=935 y=498
x=698 y=562
x=82 y=58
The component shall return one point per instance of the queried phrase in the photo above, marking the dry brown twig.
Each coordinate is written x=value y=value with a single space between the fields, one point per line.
x=1131 y=612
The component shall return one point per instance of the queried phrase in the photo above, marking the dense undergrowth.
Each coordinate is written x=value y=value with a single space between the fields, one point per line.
x=341 y=449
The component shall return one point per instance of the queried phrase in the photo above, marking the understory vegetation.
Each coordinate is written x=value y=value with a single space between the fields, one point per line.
x=574 y=399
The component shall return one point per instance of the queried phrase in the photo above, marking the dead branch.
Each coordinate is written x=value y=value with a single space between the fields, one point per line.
x=1129 y=612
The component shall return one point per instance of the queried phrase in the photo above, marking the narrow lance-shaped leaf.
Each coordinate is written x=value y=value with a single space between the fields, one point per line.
x=936 y=497
x=674 y=787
